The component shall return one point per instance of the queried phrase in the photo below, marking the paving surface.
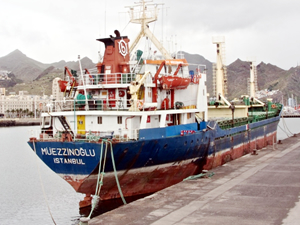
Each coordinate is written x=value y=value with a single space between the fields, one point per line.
x=255 y=189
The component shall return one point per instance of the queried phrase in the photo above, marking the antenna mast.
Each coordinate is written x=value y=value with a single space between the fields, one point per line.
x=144 y=16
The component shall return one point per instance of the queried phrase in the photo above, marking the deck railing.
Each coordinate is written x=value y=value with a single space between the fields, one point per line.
x=115 y=104
x=89 y=105
x=101 y=79
x=90 y=136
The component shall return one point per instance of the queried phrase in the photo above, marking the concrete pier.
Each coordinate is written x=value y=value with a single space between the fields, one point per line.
x=255 y=189
x=20 y=122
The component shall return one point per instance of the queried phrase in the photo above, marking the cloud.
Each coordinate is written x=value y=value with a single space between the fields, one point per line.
x=54 y=30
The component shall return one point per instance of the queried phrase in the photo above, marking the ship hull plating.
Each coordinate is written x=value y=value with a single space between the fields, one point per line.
x=147 y=166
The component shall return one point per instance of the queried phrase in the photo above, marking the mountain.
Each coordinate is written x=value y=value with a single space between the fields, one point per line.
x=28 y=69
x=11 y=82
x=292 y=82
x=45 y=72
x=269 y=77
x=198 y=59
x=85 y=63
x=21 y=66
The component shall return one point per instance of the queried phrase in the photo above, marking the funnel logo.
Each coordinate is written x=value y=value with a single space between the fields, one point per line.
x=123 y=50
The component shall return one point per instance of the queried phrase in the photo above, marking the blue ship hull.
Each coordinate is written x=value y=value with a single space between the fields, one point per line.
x=160 y=158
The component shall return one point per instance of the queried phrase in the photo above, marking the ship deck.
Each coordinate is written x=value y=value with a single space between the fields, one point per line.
x=254 y=189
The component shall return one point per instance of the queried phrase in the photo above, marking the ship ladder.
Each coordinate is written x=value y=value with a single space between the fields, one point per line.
x=66 y=125
x=72 y=90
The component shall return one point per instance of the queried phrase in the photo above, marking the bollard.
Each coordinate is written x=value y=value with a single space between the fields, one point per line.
x=254 y=152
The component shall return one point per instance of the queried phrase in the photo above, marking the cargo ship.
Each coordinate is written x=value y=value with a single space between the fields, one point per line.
x=142 y=122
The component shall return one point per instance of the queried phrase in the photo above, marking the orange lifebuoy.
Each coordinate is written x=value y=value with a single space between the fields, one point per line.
x=273 y=106
x=140 y=104
x=196 y=79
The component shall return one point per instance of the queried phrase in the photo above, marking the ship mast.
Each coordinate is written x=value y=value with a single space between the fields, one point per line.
x=144 y=16
x=252 y=83
x=220 y=71
x=253 y=80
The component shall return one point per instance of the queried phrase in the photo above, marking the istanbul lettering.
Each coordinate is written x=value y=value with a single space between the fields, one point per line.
x=68 y=152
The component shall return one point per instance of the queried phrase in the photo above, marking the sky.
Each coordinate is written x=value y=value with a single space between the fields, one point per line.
x=50 y=31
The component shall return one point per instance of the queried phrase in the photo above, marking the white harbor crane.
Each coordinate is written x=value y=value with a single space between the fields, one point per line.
x=220 y=71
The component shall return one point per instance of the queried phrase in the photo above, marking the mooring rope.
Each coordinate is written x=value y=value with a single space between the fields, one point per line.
x=285 y=127
x=42 y=184
x=99 y=182
x=101 y=174
x=100 y=177
x=199 y=176
x=115 y=172
x=287 y=134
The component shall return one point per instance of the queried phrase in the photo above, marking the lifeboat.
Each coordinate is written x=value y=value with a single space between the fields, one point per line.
x=174 y=82
x=63 y=84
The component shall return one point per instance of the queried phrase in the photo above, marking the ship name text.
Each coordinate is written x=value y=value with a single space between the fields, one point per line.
x=68 y=161
x=68 y=152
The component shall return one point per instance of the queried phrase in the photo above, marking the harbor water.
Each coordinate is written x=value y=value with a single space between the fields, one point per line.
x=30 y=193
x=287 y=127
x=28 y=187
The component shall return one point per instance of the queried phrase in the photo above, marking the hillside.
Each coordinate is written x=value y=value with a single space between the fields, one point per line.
x=198 y=59
x=269 y=77
x=85 y=62
x=292 y=82
x=11 y=82
x=41 y=85
x=28 y=69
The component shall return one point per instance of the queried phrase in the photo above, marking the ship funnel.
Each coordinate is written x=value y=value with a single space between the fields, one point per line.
x=116 y=55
